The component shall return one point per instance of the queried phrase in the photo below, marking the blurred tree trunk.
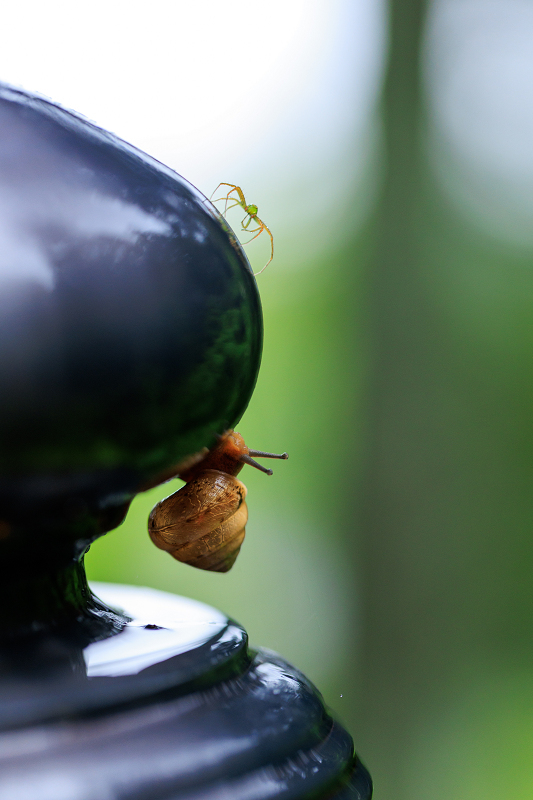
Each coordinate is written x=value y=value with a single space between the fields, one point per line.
x=390 y=659
x=446 y=501
x=410 y=443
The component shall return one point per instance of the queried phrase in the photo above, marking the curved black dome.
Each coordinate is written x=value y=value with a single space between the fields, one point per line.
x=130 y=322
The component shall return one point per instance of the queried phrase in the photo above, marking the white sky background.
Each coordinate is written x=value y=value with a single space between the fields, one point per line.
x=276 y=97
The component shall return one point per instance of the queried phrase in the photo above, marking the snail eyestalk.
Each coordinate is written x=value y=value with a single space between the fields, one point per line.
x=261 y=454
x=252 y=463
x=247 y=459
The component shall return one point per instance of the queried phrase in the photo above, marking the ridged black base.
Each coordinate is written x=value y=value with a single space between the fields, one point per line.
x=175 y=707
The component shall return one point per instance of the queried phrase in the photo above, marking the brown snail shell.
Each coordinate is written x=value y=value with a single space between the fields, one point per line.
x=203 y=524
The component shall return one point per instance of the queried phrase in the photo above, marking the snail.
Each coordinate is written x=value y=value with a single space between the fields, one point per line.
x=203 y=523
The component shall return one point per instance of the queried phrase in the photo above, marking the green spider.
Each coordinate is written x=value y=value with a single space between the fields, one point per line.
x=251 y=213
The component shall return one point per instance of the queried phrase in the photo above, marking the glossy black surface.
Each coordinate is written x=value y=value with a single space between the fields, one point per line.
x=130 y=322
x=175 y=706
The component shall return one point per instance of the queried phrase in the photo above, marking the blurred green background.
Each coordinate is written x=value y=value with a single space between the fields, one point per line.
x=390 y=149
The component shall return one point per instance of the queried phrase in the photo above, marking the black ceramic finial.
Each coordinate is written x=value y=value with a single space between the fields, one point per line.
x=130 y=337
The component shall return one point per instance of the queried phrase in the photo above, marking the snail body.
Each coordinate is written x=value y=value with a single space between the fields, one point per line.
x=203 y=524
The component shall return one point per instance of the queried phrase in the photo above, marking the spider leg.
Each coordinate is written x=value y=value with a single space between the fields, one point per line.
x=244 y=224
x=237 y=202
x=228 y=196
x=241 y=201
x=216 y=190
x=271 y=247
x=260 y=231
x=226 y=207
x=233 y=189
x=261 y=227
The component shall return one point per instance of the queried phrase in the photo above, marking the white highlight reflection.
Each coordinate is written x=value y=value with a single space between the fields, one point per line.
x=184 y=623
x=22 y=256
